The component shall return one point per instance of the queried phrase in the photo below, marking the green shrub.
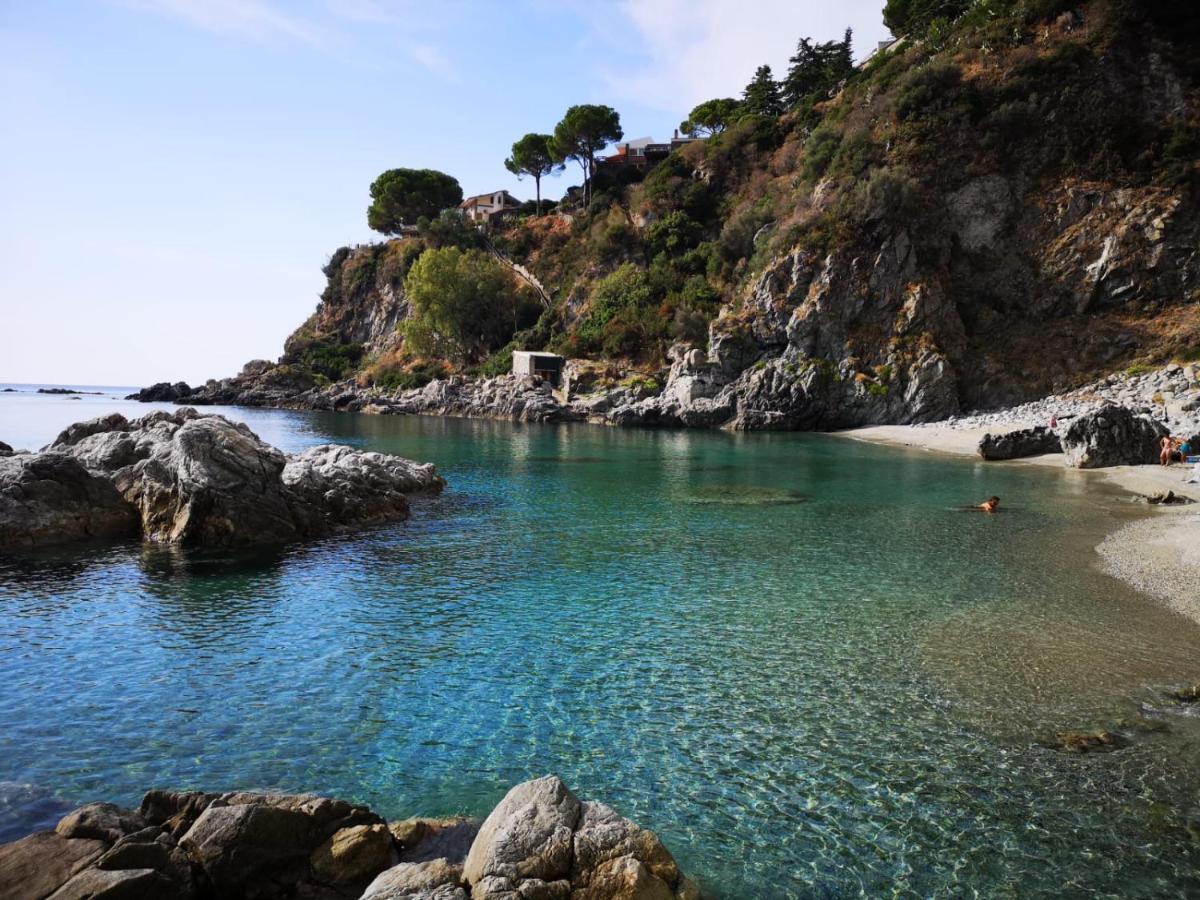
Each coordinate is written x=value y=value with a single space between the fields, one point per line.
x=673 y=234
x=924 y=88
x=888 y=195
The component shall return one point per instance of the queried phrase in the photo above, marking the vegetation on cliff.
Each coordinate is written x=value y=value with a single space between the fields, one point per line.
x=1011 y=189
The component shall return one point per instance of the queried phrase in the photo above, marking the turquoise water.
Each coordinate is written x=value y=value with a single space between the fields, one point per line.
x=789 y=655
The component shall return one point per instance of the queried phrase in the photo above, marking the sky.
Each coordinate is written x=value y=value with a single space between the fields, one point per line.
x=174 y=173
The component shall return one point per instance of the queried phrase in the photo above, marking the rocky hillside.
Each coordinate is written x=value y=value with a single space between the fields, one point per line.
x=995 y=209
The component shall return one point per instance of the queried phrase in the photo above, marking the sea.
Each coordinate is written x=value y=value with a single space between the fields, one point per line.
x=797 y=658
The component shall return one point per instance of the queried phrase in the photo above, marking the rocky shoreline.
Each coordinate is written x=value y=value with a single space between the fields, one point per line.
x=190 y=479
x=541 y=842
x=697 y=391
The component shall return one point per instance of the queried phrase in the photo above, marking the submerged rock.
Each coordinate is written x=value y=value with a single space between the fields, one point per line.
x=1112 y=436
x=1088 y=741
x=1019 y=444
x=190 y=479
x=540 y=841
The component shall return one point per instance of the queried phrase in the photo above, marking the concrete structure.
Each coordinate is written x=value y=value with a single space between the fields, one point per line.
x=543 y=365
x=483 y=206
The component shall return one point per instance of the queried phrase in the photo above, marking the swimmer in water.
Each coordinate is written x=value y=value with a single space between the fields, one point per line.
x=991 y=504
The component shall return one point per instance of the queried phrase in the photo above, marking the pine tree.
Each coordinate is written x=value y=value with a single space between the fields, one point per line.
x=816 y=69
x=762 y=97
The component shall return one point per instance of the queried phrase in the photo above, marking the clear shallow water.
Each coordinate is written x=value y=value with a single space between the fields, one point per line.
x=789 y=655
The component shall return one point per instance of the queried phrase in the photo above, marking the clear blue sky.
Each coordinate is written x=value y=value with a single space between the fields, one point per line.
x=174 y=173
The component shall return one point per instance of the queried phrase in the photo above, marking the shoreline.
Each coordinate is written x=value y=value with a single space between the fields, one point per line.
x=1158 y=555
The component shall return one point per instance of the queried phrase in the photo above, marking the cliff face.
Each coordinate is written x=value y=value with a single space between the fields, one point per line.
x=973 y=220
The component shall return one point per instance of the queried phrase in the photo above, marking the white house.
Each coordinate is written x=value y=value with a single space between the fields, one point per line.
x=484 y=206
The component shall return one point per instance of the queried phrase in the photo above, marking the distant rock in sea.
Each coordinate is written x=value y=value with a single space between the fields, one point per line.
x=181 y=477
x=67 y=391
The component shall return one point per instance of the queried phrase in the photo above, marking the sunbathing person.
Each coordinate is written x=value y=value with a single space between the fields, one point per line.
x=1164 y=451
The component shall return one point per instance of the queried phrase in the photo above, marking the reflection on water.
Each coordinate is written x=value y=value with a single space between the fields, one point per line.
x=789 y=655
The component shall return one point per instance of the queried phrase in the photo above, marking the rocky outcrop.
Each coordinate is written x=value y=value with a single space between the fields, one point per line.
x=1112 y=436
x=47 y=498
x=541 y=841
x=191 y=479
x=162 y=392
x=1019 y=444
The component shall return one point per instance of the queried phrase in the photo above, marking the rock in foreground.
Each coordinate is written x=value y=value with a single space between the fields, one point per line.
x=540 y=842
x=185 y=478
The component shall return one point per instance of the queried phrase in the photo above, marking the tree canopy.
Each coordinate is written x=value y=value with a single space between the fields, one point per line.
x=402 y=196
x=583 y=132
x=533 y=155
x=913 y=16
x=465 y=304
x=762 y=97
x=816 y=69
x=710 y=117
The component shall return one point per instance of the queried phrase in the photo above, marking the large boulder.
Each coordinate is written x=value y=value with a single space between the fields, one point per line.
x=542 y=841
x=49 y=498
x=528 y=836
x=213 y=483
x=36 y=866
x=1112 y=436
x=435 y=879
x=180 y=477
x=353 y=854
x=334 y=486
x=1019 y=444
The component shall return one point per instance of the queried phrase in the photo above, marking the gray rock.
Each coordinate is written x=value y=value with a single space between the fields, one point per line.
x=1112 y=436
x=250 y=849
x=1019 y=444
x=528 y=835
x=49 y=498
x=5 y=449
x=185 y=478
x=124 y=884
x=333 y=486
x=436 y=878
x=100 y=821
x=36 y=866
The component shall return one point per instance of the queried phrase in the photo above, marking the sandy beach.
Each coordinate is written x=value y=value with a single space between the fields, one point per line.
x=1158 y=555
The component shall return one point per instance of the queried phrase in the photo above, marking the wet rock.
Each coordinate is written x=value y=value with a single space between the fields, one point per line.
x=1112 y=436
x=5 y=449
x=1186 y=695
x=1019 y=444
x=36 y=866
x=1088 y=741
x=353 y=854
x=1168 y=498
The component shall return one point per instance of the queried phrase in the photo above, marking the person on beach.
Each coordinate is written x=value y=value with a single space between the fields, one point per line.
x=1164 y=451
x=991 y=504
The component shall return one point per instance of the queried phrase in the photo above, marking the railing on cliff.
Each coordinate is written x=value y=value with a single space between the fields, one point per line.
x=523 y=273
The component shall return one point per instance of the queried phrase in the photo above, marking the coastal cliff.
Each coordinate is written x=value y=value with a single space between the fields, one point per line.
x=972 y=219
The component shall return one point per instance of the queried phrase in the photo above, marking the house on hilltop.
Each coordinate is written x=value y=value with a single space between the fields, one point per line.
x=481 y=208
x=643 y=153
